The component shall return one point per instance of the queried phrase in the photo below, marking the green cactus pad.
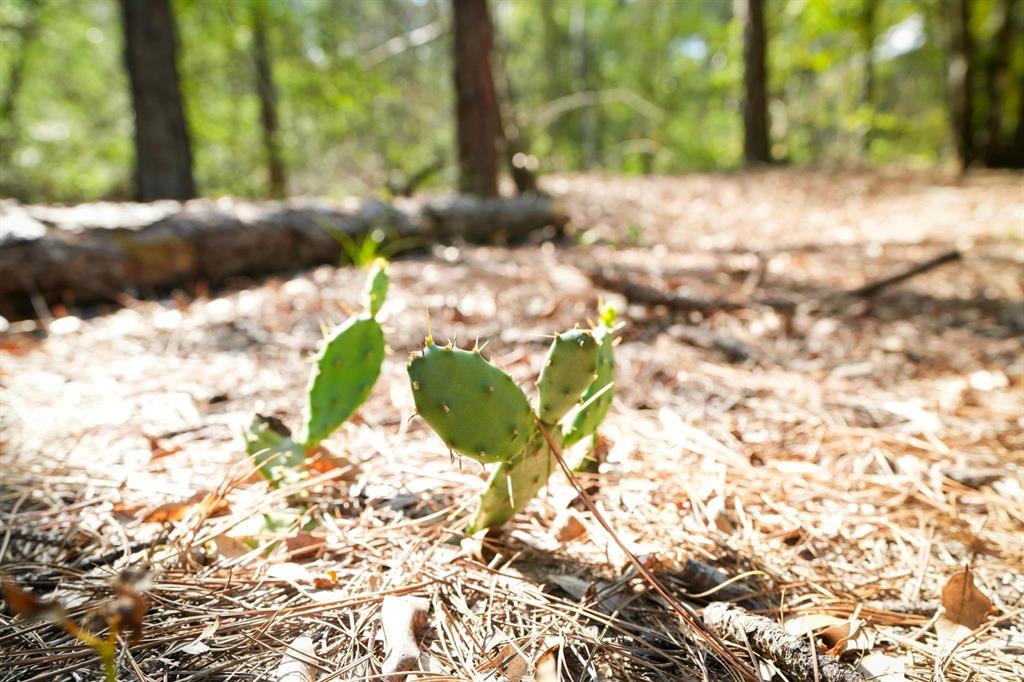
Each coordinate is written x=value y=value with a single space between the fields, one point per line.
x=346 y=370
x=523 y=475
x=376 y=286
x=585 y=419
x=477 y=409
x=568 y=370
x=275 y=455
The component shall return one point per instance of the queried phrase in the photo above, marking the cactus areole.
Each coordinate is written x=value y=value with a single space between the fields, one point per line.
x=477 y=409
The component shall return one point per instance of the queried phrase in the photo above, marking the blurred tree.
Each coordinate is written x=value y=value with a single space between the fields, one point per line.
x=961 y=80
x=869 y=13
x=756 y=147
x=26 y=29
x=478 y=121
x=163 y=154
x=276 y=182
x=997 y=77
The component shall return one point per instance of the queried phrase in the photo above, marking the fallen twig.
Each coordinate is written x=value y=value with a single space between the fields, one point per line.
x=876 y=286
x=766 y=638
x=400 y=618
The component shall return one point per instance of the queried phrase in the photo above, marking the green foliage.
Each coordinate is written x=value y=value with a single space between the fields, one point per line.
x=358 y=103
x=480 y=412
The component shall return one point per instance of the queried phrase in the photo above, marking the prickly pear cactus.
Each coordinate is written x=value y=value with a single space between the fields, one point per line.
x=346 y=369
x=477 y=409
x=275 y=455
x=513 y=484
x=568 y=370
x=481 y=413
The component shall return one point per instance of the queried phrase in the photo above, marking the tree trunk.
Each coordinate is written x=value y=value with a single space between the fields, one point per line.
x=996 y=82
x=582 y=56
x=756 y=147
x=867 y=95
x=477 y=117
x=521 y=164
x=961 y=82
x=276 y=182
x=163 y=154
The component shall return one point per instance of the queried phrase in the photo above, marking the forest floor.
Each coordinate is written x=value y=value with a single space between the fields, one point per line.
x=844 y=456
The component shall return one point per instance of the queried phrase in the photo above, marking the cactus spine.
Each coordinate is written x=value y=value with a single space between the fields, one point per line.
x=481 y=413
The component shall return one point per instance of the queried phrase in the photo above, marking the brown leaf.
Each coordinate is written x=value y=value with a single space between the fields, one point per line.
x=304 y=545
x=205 y=502
x=25 y=603
x=568 y=526
x=966 y=607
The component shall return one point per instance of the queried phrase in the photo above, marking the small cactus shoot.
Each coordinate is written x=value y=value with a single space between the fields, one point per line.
x=568 y=370
x=275 y=455
x=344 y=374
x=376 y=286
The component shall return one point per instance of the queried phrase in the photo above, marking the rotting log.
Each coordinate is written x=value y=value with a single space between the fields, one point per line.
x=98 y=252
x=794 y=656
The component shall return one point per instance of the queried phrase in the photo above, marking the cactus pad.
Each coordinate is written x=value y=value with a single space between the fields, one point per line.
x=568 y=370
x=376 y=286
x=275 y=455
x=477 y=409
x=346 y=370
x=513 y=484
x=588 y=416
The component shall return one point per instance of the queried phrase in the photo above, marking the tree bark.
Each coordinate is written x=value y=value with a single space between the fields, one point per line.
x=756 y=146
x=867 y=95
x=269 y=122
x=163 y=153
x=477 y=117
x=961 y=82
x=997 y=79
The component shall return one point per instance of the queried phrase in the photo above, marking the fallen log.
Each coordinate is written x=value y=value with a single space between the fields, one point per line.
x=794 y=656
x=97 y=252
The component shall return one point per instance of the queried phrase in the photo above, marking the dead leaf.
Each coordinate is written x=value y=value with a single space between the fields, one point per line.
x=965 y=607
x=880 y=667
x=230 y=548
x=568 y=526
x=156 y=451
x=305 y=546
x=204 y=502
x=545 y=668
x=24 y=603
x=400 y=618
x=295 y=666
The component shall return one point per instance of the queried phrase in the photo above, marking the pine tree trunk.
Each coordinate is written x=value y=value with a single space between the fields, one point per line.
x=997 y=78
x=867 y=95
x=276 y=182
x=477 y=117
x=961 y=82
x=756 y=147
x=163 y=154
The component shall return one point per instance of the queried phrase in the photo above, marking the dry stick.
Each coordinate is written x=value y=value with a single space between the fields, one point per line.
x=789 y=653
x=400 y=617
x=687 y=614
x=872 y=288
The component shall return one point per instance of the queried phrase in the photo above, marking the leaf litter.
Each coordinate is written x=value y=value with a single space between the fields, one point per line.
x=841 y=476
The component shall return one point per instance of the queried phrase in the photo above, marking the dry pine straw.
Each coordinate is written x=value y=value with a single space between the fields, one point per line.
x=829 y=468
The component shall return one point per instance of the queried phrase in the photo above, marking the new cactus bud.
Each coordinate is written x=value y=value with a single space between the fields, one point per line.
x=568 y=370
x=477 y=409
x=346 y=369
x=376 y=286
